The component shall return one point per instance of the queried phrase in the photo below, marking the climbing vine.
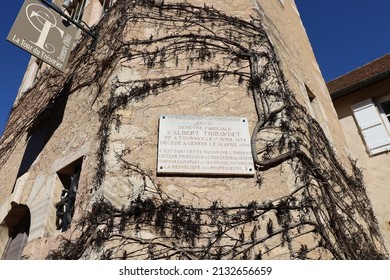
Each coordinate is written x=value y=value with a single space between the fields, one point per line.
x=326 y=215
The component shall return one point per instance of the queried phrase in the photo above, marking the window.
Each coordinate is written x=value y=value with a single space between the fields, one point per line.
x=106 y=5
x=69 y=177
x=384 y=108
x=17 y=227
x=317 y=112
x=75 y=9
x=313 y=102
x=373 y=121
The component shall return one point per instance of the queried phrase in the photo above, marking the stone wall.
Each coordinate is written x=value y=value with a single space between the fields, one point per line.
x=177 y=59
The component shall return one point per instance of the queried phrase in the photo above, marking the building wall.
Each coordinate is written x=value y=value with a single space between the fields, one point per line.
x=376 y=167
x=118 y=143
x=300 y=66
x=291 y=42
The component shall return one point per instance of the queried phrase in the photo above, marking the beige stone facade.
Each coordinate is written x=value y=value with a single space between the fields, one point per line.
x=99 y=122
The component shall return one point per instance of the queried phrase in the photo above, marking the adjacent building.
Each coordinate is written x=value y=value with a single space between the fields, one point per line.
x=362 y=101
x=188 y=130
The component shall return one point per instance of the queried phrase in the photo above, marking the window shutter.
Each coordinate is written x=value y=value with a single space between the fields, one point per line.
x=371 y=126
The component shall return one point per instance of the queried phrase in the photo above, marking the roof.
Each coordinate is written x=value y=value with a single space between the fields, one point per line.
x=362 y=76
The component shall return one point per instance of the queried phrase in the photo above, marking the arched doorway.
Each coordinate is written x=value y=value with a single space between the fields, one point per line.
x=18 y=222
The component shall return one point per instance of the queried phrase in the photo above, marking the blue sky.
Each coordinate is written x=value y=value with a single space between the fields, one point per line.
x=345 y=34
x=13 y=61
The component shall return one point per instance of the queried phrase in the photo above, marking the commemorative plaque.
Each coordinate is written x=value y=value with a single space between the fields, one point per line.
x=204 y=145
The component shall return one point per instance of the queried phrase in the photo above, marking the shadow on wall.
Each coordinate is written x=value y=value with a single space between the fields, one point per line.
x=42 y=129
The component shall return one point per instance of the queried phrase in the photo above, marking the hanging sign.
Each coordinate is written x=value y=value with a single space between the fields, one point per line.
x=43 y=33
x=204 y=145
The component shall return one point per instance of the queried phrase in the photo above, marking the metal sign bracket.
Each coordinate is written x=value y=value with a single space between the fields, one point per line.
x=89 y=31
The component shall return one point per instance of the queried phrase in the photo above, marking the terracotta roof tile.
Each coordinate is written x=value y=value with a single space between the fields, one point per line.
x=360 y=74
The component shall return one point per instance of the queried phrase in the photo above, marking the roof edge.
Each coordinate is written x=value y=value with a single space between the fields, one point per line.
x=359 y=85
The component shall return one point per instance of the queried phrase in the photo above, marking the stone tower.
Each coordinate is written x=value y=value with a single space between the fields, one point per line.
x=194 y=130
